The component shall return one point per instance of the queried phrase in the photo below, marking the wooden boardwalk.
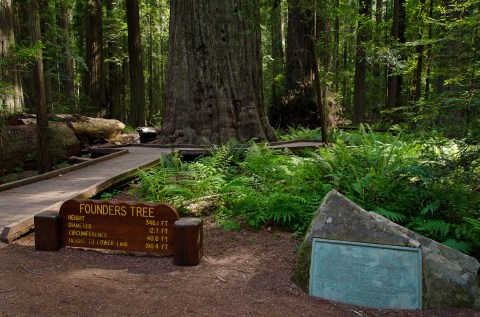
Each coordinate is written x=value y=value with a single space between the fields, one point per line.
x=19 y=205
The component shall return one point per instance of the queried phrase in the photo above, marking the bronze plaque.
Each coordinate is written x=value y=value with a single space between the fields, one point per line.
x=117 y=225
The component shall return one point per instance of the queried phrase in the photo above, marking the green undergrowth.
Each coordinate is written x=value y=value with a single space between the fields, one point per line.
x=427 y=183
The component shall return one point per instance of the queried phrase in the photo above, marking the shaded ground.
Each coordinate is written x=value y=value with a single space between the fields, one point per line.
x=243 y=273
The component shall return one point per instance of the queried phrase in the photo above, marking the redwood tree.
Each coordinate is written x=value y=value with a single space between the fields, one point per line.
x=11 y=92
x=361 y=64
x=214 y=80
x=137 y=81
x=95 y=76
x=44 y=162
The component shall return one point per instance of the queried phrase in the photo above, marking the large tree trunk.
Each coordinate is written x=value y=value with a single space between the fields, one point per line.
x=214 y=80
x=95 y=86
x=360 y=65
x=137 y=81
x=11 y=91
x=43 y=158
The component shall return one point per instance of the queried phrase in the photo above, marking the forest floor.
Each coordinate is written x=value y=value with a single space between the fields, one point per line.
x=242 y=273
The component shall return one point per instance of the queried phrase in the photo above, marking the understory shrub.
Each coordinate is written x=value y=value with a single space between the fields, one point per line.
x=426 y=183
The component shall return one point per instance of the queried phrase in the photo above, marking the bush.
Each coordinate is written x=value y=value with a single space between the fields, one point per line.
x=428 y=184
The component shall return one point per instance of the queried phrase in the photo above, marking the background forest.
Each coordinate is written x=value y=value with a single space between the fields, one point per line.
x=405 y=62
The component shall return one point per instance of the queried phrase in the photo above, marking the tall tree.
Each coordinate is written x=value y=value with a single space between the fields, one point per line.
x=67 y=63
x=214 y=80
x=361 y=63
x=276 y=26
x=11 y=90
x=43 y=158
x=115 y=41
x=301 y=27
x=300 y=107
x=95 y=77
x=137 y=81
x=395 y=80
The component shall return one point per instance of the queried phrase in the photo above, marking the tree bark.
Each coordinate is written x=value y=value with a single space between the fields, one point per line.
x=43 y=143
x=214 y=80
x=137 y=81
x=95 y=78
x=299 y=60
x=115 y=53
x=420 y=48
x=11 y=97
x=429 y=52
x=320 y=102
x=398 y=34
x=277 y=52
x=360 y=64
x=64 y=22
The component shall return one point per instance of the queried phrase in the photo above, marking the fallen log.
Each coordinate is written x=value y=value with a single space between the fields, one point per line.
x=90 y=131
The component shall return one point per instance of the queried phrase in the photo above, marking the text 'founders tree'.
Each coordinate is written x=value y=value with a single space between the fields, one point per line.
x=214 y=80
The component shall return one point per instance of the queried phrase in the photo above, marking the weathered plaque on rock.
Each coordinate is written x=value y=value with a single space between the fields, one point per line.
x=371 y=275
x=116 y=225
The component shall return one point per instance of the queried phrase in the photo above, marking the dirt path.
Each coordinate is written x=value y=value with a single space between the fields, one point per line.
x=243 y=273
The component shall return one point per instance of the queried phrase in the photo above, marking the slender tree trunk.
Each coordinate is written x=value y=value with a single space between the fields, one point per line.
x=95 y=78
x=11 y=100
x=336 y=40
x=151 y=73
x=116 y=81
x=214 y=80
x=360 y=64
x=43 y=158
x=398 y=34
x=69 y=86
x=325 y=61
x=277 y=52
x=429 y=53
x=322 y=111
x=419 y=50
x=137 y=81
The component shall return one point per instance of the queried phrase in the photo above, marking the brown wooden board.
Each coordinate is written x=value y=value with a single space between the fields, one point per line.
x=117 y=225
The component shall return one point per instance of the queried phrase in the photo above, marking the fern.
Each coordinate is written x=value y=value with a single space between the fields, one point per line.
x=429 y=183
x=462 y=246
x=431 y=207
x=474 y=222
x=433 y=228
x=393 y=216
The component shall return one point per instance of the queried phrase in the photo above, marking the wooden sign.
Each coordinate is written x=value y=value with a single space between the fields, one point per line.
x=116 y=225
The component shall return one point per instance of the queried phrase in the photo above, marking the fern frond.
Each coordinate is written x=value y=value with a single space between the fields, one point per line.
x=431 y=207
x=474 y=222
x=433 y=227
x=393 y=216
x=462 y=246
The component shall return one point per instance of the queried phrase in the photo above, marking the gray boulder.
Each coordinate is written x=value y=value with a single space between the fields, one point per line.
x=449 y=277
